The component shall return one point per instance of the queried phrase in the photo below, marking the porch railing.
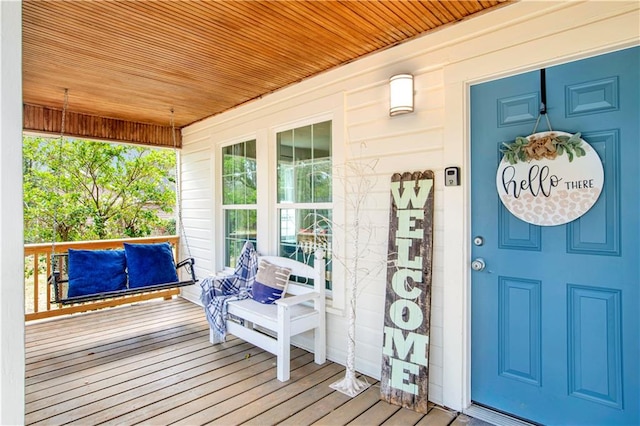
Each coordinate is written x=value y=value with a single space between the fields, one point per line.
x=37 y=265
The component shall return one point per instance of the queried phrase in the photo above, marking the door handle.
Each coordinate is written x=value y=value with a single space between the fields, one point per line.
x=478 y=264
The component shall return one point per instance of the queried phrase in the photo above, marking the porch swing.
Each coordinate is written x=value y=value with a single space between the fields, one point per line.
x=93 y=275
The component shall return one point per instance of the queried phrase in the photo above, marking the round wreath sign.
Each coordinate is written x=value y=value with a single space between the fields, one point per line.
x=549 y=178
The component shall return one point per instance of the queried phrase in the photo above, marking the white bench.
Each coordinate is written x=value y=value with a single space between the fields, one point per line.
x=302 y=309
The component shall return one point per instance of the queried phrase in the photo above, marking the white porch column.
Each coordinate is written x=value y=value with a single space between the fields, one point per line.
x=11 y=233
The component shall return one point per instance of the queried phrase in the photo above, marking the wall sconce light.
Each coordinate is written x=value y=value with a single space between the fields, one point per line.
x=401 y=94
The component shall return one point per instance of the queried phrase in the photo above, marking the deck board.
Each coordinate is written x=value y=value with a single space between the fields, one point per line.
x=351 y=409
x=97 y=381
x=376 y=414
x=143 y=385
x=197 y=398
x=309 y=397
x=437 y=416
x=205 y=408
x=245 y=405
x=152 y=363
x=268 y=400
x=404 y=416
x=317 y=410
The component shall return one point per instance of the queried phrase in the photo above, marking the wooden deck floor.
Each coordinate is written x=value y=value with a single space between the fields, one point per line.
x=152 y=364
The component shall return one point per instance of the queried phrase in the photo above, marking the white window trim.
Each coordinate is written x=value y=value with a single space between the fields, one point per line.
x=220 y=207
x=335 y=296
x=267 y=186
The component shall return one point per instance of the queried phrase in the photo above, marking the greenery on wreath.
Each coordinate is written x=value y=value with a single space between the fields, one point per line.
x=548 y=146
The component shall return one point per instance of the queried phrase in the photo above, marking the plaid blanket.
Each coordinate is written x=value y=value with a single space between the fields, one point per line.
x=218 y=291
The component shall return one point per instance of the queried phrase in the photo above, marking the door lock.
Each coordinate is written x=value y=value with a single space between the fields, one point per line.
x=478 y=264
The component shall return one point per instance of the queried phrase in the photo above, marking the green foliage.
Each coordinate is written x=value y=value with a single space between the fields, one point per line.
x=549 y=146
x=571 y=145
x=96 y=190
x=514 y=151
x=240 y=184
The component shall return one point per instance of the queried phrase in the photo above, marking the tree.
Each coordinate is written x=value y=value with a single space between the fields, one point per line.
x=96 y=190
x=360 y=181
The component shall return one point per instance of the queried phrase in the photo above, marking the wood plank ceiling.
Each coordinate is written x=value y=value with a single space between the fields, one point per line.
x=126 y=64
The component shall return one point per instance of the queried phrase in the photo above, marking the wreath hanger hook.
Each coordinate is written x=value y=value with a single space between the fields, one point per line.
x=543 y=101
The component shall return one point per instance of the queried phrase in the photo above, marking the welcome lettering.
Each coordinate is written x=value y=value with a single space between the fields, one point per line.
x=406 y=339
x=409 y=194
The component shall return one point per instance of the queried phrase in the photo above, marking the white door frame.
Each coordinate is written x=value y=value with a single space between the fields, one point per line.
x=459 y=77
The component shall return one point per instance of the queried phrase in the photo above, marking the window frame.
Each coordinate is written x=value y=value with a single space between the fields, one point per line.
x=331 y=109
x=223 y=208
x=324 y=205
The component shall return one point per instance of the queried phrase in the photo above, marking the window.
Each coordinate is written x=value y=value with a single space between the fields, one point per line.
x=239 y=191
x=304 y=180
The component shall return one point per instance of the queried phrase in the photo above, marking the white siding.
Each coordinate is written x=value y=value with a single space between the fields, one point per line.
x=516 y=38
x=196 y=184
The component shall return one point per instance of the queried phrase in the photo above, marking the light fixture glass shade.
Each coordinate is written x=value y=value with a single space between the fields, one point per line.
x=401 y=94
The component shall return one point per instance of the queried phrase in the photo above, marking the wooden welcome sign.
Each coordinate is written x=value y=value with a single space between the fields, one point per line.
x=405 y=359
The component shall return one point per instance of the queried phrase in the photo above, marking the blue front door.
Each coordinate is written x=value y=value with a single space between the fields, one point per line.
x=555 y=324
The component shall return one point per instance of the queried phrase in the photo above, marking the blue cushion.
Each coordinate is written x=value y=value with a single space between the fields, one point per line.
x=150 y=264
x=270 y=284
x=96 y=271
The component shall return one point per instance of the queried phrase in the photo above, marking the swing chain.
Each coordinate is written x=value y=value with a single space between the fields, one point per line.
x=179 y=188
x=56 y=205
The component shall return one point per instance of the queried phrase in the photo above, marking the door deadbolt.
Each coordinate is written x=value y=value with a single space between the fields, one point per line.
x=478 y=241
